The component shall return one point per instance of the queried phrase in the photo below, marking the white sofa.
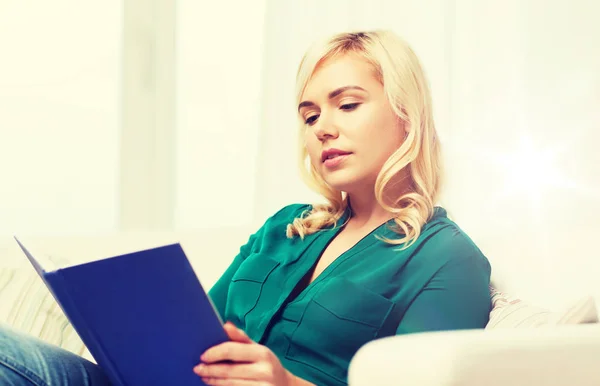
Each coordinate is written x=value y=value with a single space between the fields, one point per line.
x=556 y=356
x=539 y=351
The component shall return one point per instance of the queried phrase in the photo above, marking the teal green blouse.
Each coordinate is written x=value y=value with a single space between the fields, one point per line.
x=371 y=291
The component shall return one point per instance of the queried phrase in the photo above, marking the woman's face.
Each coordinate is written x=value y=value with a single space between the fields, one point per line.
x=351 y=129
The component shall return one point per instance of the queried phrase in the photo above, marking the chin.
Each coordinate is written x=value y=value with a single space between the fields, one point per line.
x=343 y=182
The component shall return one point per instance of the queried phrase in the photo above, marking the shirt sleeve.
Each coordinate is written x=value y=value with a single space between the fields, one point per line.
x=219 y=291
x=457 y=297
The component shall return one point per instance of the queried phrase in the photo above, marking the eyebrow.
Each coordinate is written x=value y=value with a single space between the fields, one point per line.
x=332 y=95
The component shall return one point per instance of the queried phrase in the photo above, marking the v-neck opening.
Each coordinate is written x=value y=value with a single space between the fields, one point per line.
x=357 y=247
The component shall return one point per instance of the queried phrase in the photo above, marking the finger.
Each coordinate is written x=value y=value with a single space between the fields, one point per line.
x=247 y=371
x=234 y=351
x=230 y=382
x=235 y=334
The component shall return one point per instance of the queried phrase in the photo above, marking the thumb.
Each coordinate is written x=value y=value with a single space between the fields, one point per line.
x=235 y=334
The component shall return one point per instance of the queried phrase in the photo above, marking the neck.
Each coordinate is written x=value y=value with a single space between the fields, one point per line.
x=367 y=211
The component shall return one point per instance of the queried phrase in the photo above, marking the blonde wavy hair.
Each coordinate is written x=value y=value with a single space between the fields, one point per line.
x=401 y=74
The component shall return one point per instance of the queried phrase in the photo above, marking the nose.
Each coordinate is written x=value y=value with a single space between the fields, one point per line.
x=325 y=128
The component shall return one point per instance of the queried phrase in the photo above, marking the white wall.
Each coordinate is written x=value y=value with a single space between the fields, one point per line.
x=59 y=116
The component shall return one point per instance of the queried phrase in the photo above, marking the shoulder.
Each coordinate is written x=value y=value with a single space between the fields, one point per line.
x=291 y=211
x=272 y=232
x=287 y=214
x=446 y=243
x=273 y=229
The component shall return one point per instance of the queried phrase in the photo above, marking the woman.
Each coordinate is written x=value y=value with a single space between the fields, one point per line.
x=316 y=282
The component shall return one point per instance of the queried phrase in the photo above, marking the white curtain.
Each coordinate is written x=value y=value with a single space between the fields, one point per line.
x=219 y=57
x=523 y=171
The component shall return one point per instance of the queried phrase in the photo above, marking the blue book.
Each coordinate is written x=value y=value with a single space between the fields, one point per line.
x=144 y=316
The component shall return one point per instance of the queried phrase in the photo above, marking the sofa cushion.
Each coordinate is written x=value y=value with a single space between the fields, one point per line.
x=512 y=312
x=28 y=306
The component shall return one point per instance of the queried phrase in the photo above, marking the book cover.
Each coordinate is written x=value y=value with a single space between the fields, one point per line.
x=144 y=316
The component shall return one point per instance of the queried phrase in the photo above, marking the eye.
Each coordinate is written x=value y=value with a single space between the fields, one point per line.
x=349 y=106
x=311 y=120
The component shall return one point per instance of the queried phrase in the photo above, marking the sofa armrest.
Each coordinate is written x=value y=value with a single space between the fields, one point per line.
x=549 y=356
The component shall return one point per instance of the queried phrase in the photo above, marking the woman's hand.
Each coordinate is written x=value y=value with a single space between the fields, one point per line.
x=249 y=363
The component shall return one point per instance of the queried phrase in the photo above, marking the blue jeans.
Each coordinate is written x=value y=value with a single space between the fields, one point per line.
x=29 y=361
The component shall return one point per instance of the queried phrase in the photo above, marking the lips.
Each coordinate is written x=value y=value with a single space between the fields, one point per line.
x=332 y=153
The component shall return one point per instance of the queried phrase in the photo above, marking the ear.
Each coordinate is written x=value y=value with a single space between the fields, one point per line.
x=403 y=122
x=404 y=126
